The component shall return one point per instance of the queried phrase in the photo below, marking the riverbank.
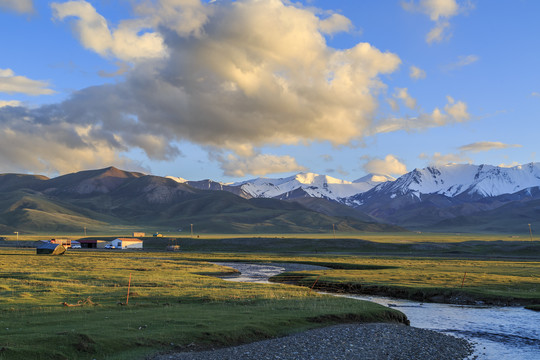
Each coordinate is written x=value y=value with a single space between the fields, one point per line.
x=349 y=341
x=434 y=295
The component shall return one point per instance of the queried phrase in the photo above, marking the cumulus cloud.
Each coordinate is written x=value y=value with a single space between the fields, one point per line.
x=11 y=84
x=229 y=76
x=126 y=42
x=259 y=165
x=416 y=73
x=454 y=112
x=438 y=11
x=335 y=23
x=486 y=146
x=20 y=6
x=261 y=74
x=390 y=165
x=403 y=95
x=39 y=141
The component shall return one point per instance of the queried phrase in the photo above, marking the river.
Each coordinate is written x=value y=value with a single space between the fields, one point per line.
x=499 y=333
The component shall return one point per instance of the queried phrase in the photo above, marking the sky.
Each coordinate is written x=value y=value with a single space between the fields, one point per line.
x=232 y=90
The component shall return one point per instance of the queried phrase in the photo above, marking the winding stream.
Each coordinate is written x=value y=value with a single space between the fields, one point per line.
x=497 y=332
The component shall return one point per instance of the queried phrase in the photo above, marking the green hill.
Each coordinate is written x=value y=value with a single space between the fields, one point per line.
x=110 y=198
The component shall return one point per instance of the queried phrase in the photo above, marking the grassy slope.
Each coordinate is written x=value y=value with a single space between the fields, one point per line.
x=171 y=306
x=149 y=201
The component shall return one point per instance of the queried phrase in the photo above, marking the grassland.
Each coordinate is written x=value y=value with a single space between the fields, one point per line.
x=173 y=305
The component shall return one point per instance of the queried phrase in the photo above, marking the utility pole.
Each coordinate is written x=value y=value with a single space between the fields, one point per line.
x=192 y=231
x=530 y=231
x=85 y=231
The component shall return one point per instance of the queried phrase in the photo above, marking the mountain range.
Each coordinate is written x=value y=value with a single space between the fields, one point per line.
x=112 y=200
x=450 y=198
x=453 y=197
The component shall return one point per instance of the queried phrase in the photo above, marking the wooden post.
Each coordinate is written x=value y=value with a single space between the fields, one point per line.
x=129 y=285
x=462 y=281
x=312 y=286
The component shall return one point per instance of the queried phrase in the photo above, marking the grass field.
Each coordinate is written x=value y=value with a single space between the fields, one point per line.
x=173 y=305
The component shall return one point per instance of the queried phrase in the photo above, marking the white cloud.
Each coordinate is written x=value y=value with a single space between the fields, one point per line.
x=438 y=11
x=457 y=110
x=454 y=112
x=335 y=23
x=487 y=146
x=461 y=62
x=258 y=165
x=262 y=74
x=44 y=144
x=403 y=95
x=390 y=165
x=20 y=6
x=443 y=159
x=417 y=73
x=127 y=42
x=238 y=75
x=438 y=33
x=10 y=103
x=11 y=84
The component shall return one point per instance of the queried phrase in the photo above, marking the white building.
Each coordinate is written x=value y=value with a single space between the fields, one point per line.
x=127 y=243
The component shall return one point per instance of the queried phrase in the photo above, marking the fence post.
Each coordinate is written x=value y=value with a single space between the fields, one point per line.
x=129 y=285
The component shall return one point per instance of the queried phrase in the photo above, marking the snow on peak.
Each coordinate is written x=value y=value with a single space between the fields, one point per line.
x=314 y=185
x=177 y=179
x=455 y=179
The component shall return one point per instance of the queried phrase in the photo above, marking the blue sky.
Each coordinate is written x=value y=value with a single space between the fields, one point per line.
x=231 y=90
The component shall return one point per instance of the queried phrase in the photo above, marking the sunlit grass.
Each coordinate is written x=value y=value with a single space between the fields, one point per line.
x=171 y=302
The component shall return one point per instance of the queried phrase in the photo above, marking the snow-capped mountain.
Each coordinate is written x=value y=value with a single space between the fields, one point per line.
x=309 y=185
x=454 y=196
x=464 y=179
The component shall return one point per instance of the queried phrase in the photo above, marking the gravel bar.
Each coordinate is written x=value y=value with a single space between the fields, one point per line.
x=348 y=341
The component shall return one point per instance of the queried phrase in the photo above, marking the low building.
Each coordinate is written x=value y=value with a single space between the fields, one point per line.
x=127 y=243
x=50 y=249
x=139 y=234
x=92 y=243
x=61 y=241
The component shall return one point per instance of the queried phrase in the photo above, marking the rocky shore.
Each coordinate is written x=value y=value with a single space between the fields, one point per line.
x=347 y=341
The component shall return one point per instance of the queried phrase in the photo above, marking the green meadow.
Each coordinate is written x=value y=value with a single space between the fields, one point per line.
x=75 y=306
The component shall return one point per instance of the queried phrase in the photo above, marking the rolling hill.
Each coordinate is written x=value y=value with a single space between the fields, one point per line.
x=108 y=198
